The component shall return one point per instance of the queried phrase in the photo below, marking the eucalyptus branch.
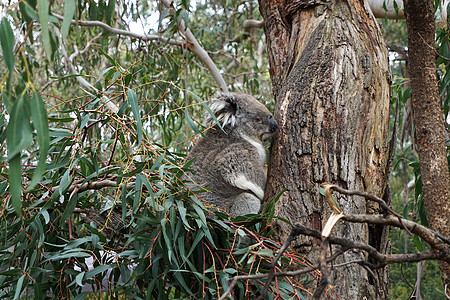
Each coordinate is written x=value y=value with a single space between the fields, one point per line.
x=144 y=37
x=194 y=46
x=252 y=23
x=441 y=253
x=80 y=186
x=88 y=45
x=192 y=42
x=433 y=238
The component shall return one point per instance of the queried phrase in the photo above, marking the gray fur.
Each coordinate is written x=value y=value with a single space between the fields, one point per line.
x=230 y=164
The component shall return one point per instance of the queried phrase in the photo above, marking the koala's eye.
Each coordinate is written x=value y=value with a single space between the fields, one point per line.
x=258 y=119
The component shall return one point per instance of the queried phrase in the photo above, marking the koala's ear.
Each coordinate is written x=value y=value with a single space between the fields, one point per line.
x=224 y=109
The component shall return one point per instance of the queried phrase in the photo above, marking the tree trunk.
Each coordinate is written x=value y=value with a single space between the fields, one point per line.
x=330 y=75
x=428 y=117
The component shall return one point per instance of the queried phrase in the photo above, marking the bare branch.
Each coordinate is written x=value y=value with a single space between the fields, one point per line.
x=249 y=24
x=79 y=187
x=198 y=50
x=433 y=238
x=144 y=37
x=88 y=45
x=435 y=253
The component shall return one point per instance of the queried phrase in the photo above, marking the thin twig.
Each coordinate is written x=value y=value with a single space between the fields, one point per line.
x=71 y=70
x=273 y=264
x=144 y=37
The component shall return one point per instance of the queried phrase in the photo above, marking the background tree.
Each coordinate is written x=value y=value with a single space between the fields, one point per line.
x=428 y=117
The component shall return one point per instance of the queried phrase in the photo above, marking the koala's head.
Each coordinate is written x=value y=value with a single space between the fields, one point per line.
x=243 y=114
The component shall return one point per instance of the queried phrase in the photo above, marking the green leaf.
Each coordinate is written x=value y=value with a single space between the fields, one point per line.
x=191 y=123
x=182 y=282
x=19 y=287
x=132 y=98
x=265 y=252
x=79 y=279
x=69 y=11
x=12 y=272
x=69 y=208
x=418 y=243
x=110 y=11
x=111 y=60
x=43 y=19
x=197 y=239
x=167 y=240
x=182 y=210
x=7 y=42
x=18 y=132
x=15 y=183
x=80 y=253
x=65 y=182
x=98 y=270
x=39 y=116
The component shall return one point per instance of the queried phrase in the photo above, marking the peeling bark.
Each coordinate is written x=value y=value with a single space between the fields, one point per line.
x=330 y=75
x=428 y=117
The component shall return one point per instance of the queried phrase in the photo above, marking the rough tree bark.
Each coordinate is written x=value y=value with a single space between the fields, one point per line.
x=427 y=112
x=331 y=83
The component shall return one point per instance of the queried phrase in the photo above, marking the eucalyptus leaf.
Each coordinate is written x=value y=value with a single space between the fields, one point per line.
x=132 y=98
x=7 y=42
x=43 y=8
x=40 y=122
x=69 y=12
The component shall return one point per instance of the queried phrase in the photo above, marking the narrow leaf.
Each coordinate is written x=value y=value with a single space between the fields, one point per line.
x=70 y=207
x=132 y=98
x=98 y=270
x=79 y=279
x=15 y=183
x=191 y=123
x=69 y=11
x=19 y=287
x=7 y=42
x=43 y=19
x=110 y=11
x=18 y=132
x=40 y=122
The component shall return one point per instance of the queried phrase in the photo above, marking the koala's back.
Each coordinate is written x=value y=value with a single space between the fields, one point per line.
x=220 y=161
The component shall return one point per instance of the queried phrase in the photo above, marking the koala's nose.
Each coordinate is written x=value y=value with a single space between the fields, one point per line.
x=273 y=125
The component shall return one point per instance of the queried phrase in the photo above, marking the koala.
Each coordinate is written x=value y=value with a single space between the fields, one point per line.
x=230 y=161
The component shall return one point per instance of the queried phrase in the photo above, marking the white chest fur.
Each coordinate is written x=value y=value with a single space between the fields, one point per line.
x=259 y=147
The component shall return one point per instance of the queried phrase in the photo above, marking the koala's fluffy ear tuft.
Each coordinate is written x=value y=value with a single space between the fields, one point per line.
x=224 y=109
